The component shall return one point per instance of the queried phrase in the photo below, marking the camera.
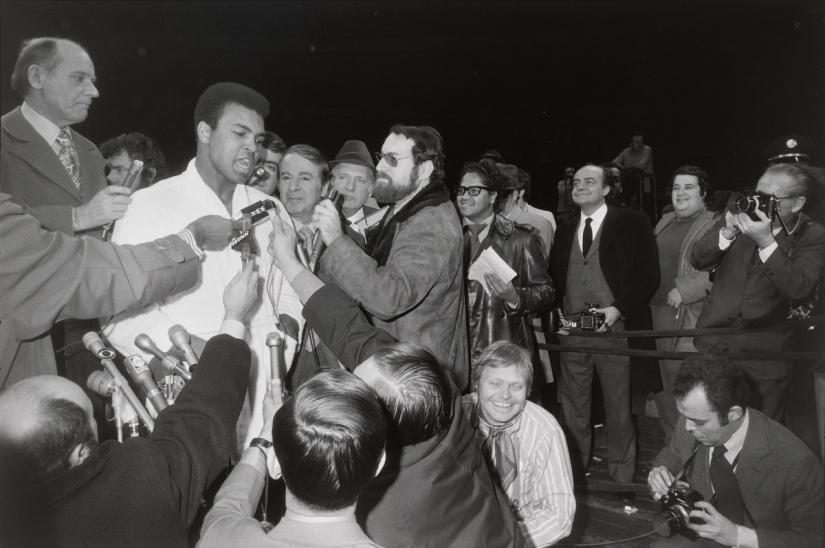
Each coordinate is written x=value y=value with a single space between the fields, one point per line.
x=589 y=320
x=675 y=515
x=739 y=203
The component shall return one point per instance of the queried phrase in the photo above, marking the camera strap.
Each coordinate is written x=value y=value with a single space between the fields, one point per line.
x=687 y=465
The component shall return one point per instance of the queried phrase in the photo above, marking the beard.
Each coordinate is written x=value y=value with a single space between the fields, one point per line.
x=390 y=192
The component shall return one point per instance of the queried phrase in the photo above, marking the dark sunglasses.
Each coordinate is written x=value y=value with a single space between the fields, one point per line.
x=471 y=190
x=390 y=158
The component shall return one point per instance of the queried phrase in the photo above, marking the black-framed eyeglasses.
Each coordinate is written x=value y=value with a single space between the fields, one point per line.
x=390 y=158
x=471 y=190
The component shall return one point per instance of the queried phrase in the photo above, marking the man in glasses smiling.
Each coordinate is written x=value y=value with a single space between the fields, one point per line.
x=410 y=277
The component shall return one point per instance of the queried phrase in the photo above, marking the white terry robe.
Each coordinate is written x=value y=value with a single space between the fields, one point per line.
x=168 y=207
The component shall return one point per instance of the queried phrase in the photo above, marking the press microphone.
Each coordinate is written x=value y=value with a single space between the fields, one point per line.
x=180 y=338
x=140 y=373
x=275 y=342
x=169 y=363
x=258 y=173
x=92 y=341
x=246 y=246
x=131 y=177
x=318 y=245
x=101 y=383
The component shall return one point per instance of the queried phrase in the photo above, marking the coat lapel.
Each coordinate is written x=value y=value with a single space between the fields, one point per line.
x=752 y=468
x=609 y=228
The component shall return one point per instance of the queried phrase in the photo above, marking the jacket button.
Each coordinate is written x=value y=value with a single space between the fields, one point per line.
x=585 y=263
x=501 y=314
x=584 y=283
x=746 y=298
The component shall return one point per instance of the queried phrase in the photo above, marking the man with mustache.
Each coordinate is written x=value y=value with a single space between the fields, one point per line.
x=229 y=127
x=410 y=277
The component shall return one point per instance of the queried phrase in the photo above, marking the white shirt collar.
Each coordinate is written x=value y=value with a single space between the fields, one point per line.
x=597 y=216
x=42 y=125
x=357 y=216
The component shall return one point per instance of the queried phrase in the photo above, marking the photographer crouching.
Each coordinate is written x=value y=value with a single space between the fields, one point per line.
x=768 y=255
x=749 y=481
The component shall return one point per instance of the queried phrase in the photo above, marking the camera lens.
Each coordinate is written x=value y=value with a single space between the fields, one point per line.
x=666 y=523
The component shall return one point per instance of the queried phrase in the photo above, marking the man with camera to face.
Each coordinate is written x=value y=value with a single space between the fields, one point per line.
x=762 y=269
x=750 y=481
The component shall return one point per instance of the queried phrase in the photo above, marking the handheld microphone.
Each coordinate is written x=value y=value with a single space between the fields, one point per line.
x=131 y=176
x=246 y=247
x=258 y=173
x=169 y=363
x=275 y=342
x=180 y=338
x=101 y=383
x=318 y=245
x=140 y=373
x=92 y=341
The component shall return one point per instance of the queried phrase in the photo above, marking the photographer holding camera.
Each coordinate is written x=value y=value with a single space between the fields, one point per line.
x=763 y=264
x=764 y=485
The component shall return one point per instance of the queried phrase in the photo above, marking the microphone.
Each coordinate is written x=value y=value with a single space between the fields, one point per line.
x=180 y=338
x=131 y=176
x=246 y=247
x=140 y=373
x=92 y=341
x=318 y=245
x=170 y=363
x=275 y=342
x=101 y=383
x=258 y=173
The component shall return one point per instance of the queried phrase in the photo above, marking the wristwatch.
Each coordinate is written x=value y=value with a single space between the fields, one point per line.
x=261 y=444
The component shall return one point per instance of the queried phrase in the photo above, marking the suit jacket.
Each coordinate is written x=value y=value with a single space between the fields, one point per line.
x=780 y=479
x=436 y=493
x=490 y=318
x=758 y=293
x=145 y=491
x=48 y=276
x=31 y=172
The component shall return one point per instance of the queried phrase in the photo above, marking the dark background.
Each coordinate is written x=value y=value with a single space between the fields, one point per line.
x=548 y=84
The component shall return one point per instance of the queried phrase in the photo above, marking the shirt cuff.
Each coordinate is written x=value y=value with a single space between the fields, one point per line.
x=765 y=254
x=189 y=238
x=724 y=243
x=746 y=538
x=233 y=328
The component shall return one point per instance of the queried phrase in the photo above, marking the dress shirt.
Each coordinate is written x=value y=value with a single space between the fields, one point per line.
x=355 y=219
x=44 y=127
x=595 y=225
x=488 y=222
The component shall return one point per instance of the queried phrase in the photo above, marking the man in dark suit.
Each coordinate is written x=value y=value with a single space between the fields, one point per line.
x=762 y=268
x=606 y=257
x=45 y=164
x=764 y=485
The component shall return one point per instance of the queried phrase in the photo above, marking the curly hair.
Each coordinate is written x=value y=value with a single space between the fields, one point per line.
x=428 y=146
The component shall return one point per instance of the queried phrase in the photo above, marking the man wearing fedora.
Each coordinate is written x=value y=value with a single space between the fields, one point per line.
x=353 y=175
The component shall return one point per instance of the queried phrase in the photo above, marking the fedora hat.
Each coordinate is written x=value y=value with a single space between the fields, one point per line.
x=509 y=176
x=491 y=155
x=355 y=153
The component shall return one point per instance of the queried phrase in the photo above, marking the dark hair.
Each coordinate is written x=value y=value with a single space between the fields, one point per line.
x=36 y=51
x=212 y=103
x=809 y=182
x=720 y=201
x=701 y=175
x=428 y=146
x=329 y=439
x=274 y=143
x=504 y=354
x=139 y=147
x=489 y=177
x=526 y=183
x=724 y=384
x=315 y=157
x=637 y=134
x=415 y=391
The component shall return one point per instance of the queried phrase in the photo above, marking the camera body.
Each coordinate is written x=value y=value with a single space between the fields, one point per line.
x=739 y=203
x=675 y=515
x=589 y=320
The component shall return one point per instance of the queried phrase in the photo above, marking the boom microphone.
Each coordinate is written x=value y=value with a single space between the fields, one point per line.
x=180 y=338
x=140 y=373
x=131 y=176
x=169 y=363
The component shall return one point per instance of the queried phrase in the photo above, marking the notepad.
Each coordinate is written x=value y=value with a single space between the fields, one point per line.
x=490 y=261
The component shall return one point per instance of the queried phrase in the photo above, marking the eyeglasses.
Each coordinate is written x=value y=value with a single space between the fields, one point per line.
x=471 y=190
x=390 y=158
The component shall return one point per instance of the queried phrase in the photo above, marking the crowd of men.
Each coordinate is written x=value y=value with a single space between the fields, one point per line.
x=407 y=320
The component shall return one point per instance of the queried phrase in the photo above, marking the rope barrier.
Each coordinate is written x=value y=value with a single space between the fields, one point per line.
x=668 y=355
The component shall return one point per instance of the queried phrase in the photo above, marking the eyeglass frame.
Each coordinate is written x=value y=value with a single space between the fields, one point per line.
x=390 y=158
x=461 y=190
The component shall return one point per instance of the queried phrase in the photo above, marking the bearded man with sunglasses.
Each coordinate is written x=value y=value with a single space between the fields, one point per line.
x=499 y=311
x=410 y=278
x=763 y=271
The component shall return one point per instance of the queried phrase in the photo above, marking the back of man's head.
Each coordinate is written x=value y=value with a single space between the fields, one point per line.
x=724 y=384
x=42 y=52
x=428 y=146
x=329 y=440
x=214 y=100
x=413 y=388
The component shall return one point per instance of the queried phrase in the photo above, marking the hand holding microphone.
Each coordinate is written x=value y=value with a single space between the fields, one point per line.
x=170 y=363
x=327 y=218
x=241 y=294
x=131 y=178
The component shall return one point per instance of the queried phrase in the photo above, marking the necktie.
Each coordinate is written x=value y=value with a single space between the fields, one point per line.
x=587 y=237
x=307 y=233
x=726 y=486
x=501 y=451
x=472 y=239
x=68 y=157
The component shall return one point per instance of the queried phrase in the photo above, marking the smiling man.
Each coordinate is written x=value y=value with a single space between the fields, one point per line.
x=410 y=278
x=229 y=127
x=303 y=179
x=605 y=257
x=760 y=484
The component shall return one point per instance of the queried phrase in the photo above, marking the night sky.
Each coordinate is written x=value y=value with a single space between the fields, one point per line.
x=548 y=84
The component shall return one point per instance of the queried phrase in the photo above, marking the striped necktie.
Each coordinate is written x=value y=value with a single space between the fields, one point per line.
x=68 y=157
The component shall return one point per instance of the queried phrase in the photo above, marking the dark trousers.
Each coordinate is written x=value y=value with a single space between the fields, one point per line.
x=575 y=393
